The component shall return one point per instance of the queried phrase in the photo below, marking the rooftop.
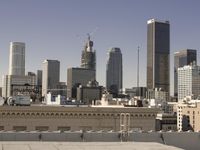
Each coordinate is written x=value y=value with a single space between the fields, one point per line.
x=156 y=20
x=81 y=146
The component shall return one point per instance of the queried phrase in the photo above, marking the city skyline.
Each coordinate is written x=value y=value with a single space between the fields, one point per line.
x=52 y=34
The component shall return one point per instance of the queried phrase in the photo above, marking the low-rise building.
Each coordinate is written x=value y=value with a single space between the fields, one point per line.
x=15 y=84
x=188 y=117
x=166 y=122
x=157 y=98
x=191 y=117
x=135 y=91
x=157 y=94
x=89 y=93
x=54 y=118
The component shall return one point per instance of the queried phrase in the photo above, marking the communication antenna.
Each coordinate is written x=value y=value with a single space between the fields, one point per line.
x=88 y=34
x=138 y=71
x=81 y=38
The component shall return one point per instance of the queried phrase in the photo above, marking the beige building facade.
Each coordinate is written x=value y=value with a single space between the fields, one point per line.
x=49 y=118
x=191 y=117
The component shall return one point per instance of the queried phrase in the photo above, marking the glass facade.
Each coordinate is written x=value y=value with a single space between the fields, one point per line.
x=158 y=49
x=114 y=71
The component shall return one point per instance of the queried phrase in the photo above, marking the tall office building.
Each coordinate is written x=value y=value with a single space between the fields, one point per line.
x=114 y=71
x=39 y=77
x=50 y=76
x=39 y=83
x=76 y=77
x=188 y=82
x=17 y=59
x=183 y=58
x=158 y=54
x=17 y=82
x=88 y=57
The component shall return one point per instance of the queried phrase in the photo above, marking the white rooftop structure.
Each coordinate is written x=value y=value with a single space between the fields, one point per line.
x=156 y=20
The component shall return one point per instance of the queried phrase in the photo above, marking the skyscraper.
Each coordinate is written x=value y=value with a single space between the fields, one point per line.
x=158 y=50
x=88 y=57
x=182 y=58
x=50 y=76
x=188 y=82
x=39 y=83
x=17 y=59
x=39 y=77
x=114 y=71
x=17 y=82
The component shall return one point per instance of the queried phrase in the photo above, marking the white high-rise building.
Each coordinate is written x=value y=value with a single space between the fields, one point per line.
x=17 y=82
x=50 y=76
x=114 y=70
x=17 y=59
x=188 y=82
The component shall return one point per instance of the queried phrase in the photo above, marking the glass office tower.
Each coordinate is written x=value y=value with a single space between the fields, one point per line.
x=158 y=54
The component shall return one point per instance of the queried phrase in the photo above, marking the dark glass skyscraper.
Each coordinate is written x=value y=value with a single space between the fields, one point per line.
x=114 y=71
x=182 y=58
x=88 y=58
x=158 y=50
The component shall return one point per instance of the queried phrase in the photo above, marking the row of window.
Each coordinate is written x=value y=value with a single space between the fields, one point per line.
x=72 y=114
x=192 y=111
x=37 y=128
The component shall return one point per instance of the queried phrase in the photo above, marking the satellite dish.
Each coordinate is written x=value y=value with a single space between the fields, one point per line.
x=1 y=101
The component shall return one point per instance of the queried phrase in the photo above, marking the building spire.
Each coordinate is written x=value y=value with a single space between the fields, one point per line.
x=88 y=36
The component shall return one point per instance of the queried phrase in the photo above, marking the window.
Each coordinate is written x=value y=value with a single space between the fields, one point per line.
x=42 y=128
x=19 y=128
x=64 y=128
x=85 y=128
x=1 y=128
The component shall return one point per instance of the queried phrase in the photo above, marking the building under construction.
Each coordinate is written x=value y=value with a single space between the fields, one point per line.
x=88 y=58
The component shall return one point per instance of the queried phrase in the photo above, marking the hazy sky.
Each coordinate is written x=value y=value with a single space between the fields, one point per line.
x=57 y=29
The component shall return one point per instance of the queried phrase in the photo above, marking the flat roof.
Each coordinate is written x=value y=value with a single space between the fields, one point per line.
x=156 y=20
x=84 y=145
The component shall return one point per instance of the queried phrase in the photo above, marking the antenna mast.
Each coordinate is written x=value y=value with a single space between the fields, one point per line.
x=138 y=74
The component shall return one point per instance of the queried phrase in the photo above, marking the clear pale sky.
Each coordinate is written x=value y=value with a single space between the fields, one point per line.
x=56 y=29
